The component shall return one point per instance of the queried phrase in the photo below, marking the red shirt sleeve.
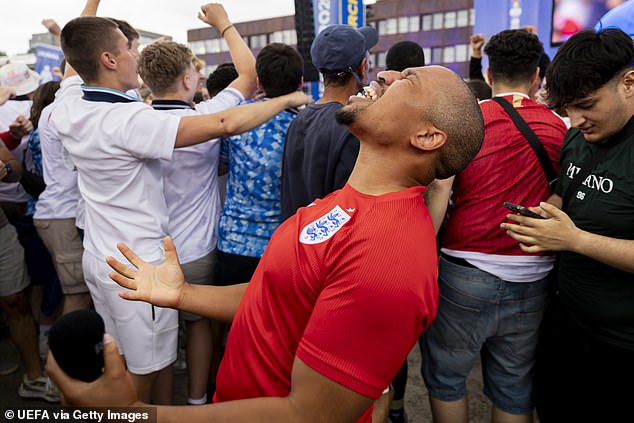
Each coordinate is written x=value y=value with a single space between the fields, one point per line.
x=9 y=141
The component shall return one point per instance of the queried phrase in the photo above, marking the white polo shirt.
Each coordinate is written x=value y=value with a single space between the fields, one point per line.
x=115 y=143
x=59 y=199
x=191 y=182
x=12 y=191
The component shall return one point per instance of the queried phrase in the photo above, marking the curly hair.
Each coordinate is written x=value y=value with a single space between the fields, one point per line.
x=513 y=55
x=587 y=62
x=161 y=64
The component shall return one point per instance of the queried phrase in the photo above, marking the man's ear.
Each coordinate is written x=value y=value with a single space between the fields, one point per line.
x=108 y=60
x=628 y=83
x=187 y=81
x=258 y=85
x=363 y=70
x=429 y=139
x=489 y=77
x=535 y=82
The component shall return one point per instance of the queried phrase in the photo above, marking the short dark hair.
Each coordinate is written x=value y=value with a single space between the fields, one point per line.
x=83 y=39
x=127 y=29
x=279 y=68
x=220 y=78
x=587 y=62
x=513 y=55
x=403 y=55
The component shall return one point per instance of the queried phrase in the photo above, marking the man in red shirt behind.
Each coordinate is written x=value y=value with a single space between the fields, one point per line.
x=492 y=293
x=313 y=334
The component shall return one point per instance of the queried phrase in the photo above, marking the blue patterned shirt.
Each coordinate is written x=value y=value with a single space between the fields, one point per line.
x=252 y=208
x=35 y=151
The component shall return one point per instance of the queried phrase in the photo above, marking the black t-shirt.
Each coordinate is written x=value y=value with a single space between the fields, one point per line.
x=319 y=155
x=600 y=297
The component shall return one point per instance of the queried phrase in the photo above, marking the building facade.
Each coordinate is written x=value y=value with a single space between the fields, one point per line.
x=441 y=27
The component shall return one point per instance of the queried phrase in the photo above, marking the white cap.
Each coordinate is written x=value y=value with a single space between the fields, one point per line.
x=19 y=77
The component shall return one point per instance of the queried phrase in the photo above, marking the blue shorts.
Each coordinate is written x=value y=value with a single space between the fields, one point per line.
x=480 y=314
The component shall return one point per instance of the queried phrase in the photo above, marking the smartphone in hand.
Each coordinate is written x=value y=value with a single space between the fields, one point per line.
x=522 y=210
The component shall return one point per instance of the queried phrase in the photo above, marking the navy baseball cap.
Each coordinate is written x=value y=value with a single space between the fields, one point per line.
x=340 y=48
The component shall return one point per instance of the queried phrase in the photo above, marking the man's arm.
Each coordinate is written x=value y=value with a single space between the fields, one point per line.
x=558 y=233
x=90 y=9
x=475 y=63
x=165 y=286
x=437 y=199
x=196 y=129
x=313 y=397
x=215 y=15
x=10 y=168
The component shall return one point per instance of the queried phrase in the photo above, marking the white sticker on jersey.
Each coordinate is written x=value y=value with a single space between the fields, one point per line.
x=325 y=227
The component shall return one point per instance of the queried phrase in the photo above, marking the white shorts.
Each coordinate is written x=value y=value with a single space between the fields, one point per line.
x=146 y=335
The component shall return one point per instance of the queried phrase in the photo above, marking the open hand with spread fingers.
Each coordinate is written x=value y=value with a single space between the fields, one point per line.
x=161 y=285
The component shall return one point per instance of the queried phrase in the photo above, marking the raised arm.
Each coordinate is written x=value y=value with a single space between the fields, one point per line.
x=196 y=129
x=90 y=9
x=165 y=286
x=475 y=63
x=215 y=15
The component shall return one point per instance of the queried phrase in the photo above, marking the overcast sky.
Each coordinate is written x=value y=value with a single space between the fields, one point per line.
x=22 y=18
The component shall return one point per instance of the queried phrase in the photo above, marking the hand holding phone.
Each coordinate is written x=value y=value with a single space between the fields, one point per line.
x=522 y=210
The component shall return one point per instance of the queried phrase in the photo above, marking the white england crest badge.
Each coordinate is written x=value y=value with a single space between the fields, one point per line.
x=325 y=227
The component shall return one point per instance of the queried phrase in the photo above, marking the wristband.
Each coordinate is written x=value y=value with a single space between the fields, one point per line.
x=222 y=33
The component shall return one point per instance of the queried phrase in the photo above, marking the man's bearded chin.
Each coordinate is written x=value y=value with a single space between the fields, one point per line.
x=348 y=114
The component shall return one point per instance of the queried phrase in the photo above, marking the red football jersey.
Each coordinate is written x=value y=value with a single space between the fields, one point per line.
x=505 y=169
x=347 y=285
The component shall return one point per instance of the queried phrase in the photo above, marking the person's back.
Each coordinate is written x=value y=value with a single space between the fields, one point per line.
x=505 y=169
x=321 y=162
x=320 y=153
x=483 y=274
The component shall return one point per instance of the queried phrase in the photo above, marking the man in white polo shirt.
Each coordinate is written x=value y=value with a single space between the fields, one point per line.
x=54 y=218
x=193 y=203
x=115 y=141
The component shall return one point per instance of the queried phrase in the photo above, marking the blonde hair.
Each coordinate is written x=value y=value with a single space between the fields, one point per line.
x=161 y=64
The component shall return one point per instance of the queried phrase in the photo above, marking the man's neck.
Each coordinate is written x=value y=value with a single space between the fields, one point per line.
x=173 y=97
x=380 y=171
x=497 y=89
x=339 y=94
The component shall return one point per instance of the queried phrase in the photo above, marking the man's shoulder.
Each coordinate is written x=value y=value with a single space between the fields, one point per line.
x=530 y=110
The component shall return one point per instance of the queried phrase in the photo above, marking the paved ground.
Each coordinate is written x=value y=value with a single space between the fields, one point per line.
x=416 y=402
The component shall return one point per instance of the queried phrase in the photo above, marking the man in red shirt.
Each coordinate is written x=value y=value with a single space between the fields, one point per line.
x=312 y=335
x=492 y=293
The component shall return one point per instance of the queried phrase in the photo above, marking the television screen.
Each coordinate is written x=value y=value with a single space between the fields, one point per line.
x=571 y=16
